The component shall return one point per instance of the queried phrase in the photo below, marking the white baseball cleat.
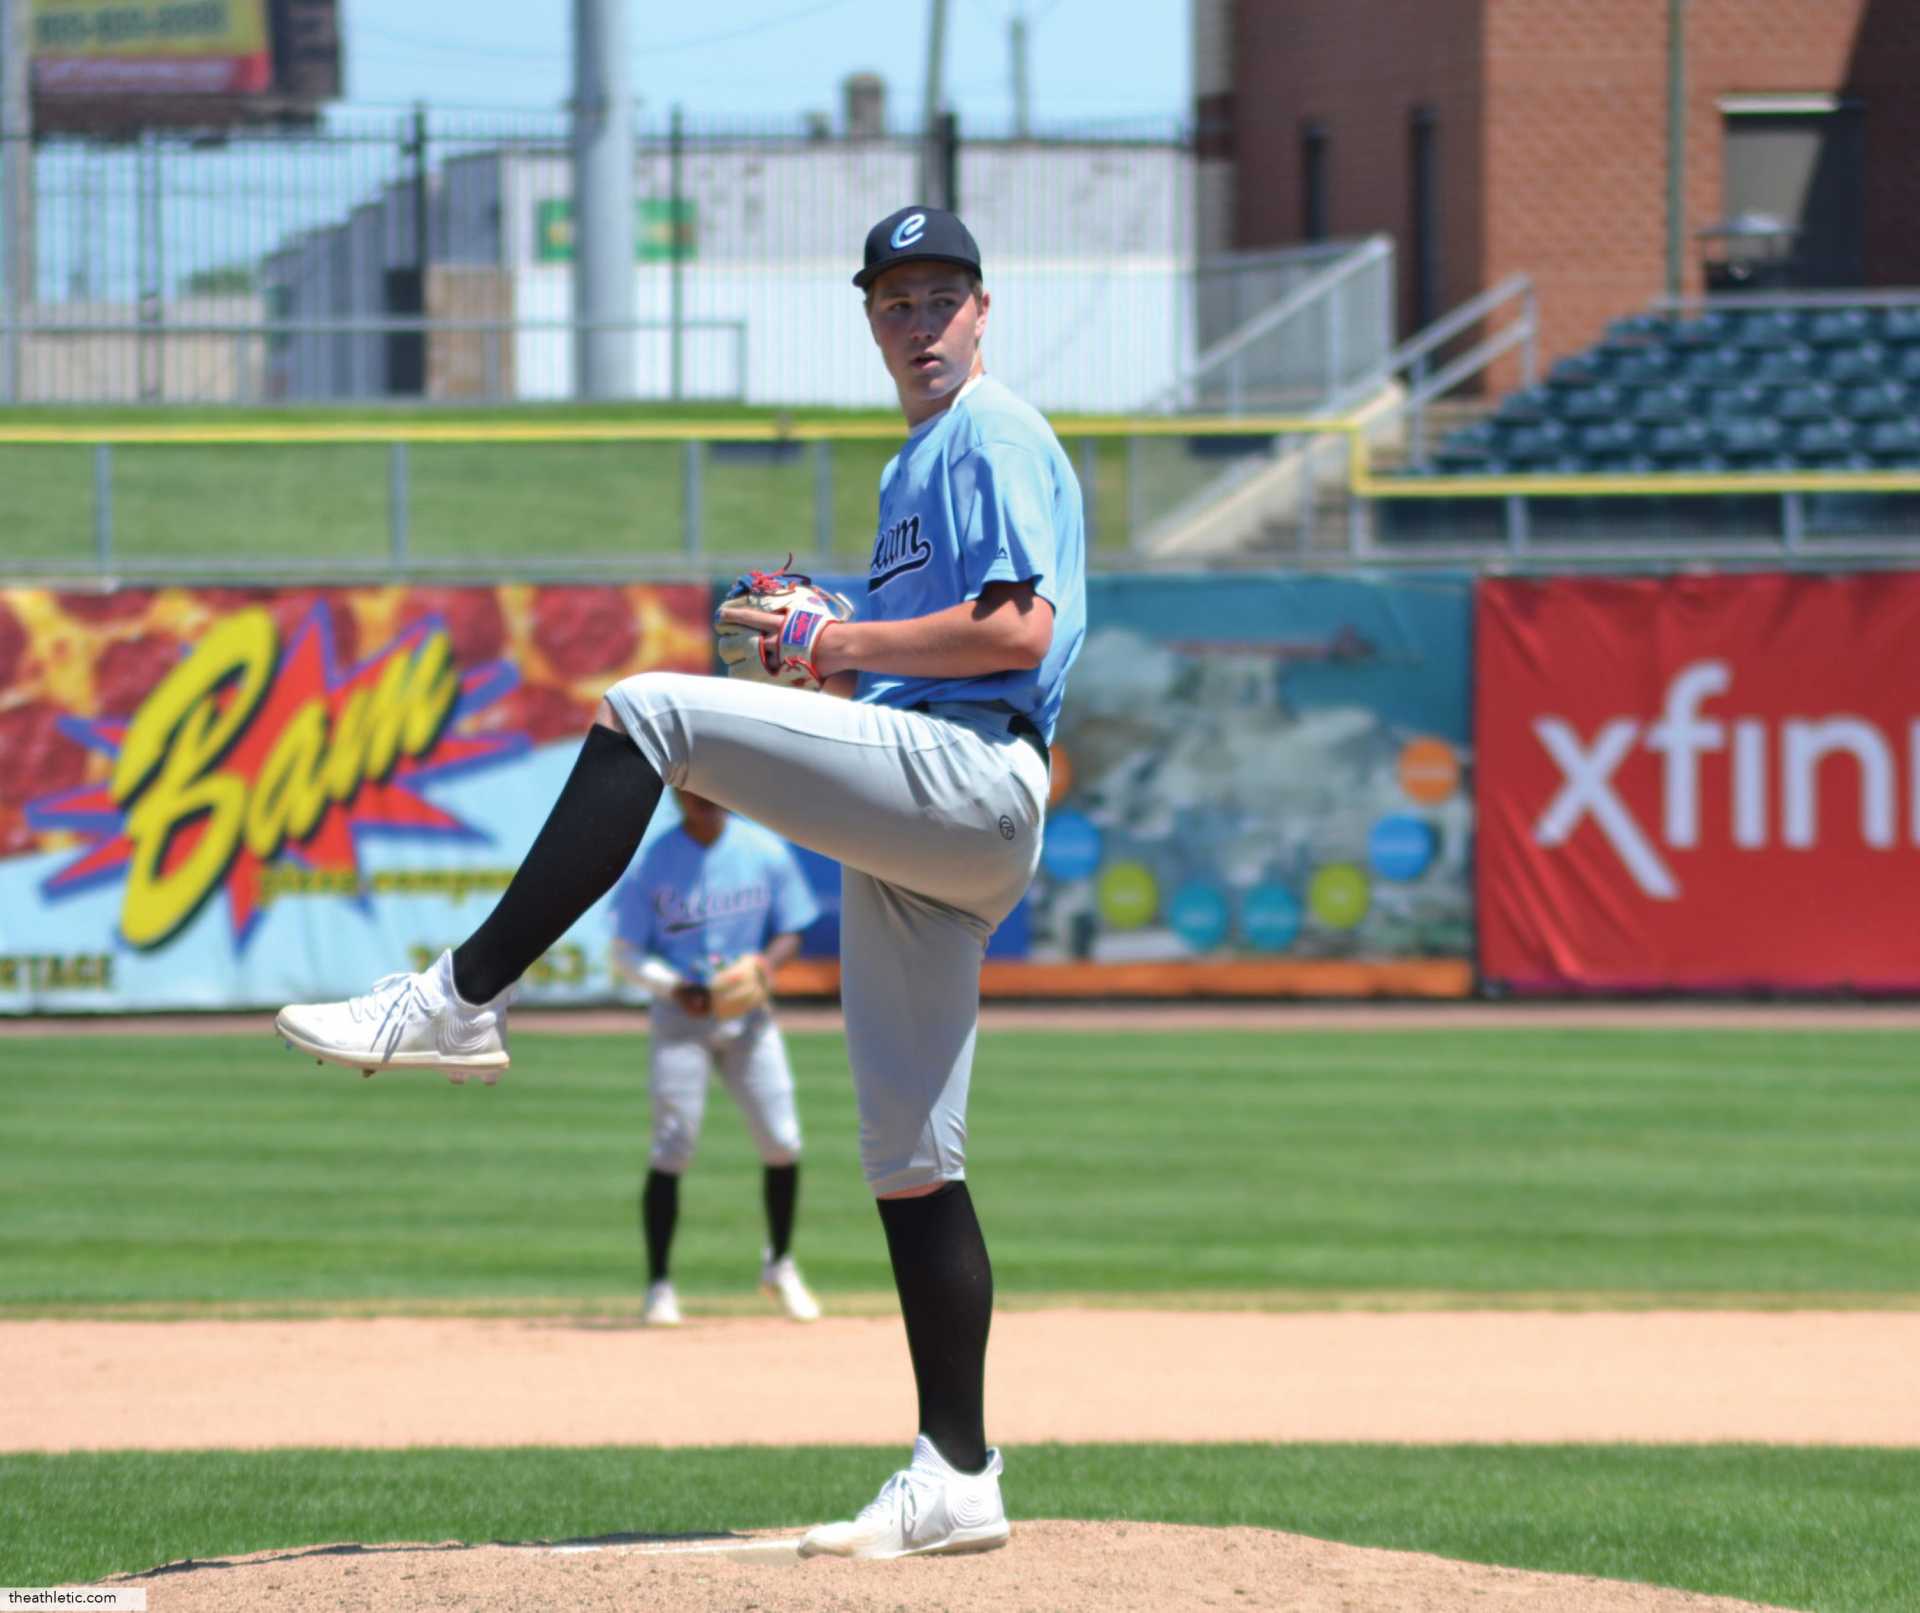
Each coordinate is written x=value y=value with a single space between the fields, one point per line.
x=781 y=1282
x=925 y=1507
x=407 y=1022
x=662 y=1307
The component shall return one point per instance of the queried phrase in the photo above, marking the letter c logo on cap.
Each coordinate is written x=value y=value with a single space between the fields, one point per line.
x=908 y=230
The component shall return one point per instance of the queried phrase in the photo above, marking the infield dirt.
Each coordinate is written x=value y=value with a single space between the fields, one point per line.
x=1056 y=1375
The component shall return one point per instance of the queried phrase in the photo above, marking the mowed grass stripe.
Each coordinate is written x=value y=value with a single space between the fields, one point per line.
x=1825 y=1529
x=1635 y=1162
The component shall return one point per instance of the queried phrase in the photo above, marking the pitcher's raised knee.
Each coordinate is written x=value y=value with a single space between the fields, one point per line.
x=652 y=707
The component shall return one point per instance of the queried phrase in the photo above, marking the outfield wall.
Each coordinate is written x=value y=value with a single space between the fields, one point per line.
x=1264 y=786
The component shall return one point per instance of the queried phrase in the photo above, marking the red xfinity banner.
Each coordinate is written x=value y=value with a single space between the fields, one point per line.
x=1699 y=783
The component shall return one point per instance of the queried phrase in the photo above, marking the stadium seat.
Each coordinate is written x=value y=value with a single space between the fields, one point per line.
x=1900 y=325
x=1883 y=400
x=1825 y=439
x=1683 y=440
x=1664 y=403
x=1768 y=330
x=1713 y=366
x=1638 y=330
x=1708 y=332
x=1646 y=367
x=1525 y=406
x=1736 y=402
x=1908 y=367
x=1591 y=403
x=1742 y=440
x=1897 y=441
x=1609 y=437
x=1839 y=327
x=1531 y=445
x=1857 y=365
x=1793 y=364
x=1816 y=402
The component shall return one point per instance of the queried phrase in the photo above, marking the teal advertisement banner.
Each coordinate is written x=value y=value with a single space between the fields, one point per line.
x=1266 y=770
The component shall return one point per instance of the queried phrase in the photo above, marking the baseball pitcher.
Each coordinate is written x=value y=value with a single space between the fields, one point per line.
x=927 y=781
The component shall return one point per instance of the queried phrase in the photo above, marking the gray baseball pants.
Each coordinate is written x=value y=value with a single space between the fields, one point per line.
x=686 y=1050
x=935 y=818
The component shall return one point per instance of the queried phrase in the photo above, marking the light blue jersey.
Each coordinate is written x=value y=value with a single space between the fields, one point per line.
x=981 y=493
x=691 y=904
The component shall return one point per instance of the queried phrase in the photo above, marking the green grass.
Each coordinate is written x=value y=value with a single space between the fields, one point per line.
x=1631 y=1166
x=1816 y=1529
x=479 y=503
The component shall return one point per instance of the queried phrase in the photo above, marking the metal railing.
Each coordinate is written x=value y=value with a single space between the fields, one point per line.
x=712 y=496
x=1319 y=345
x=391 y=214
x=1414 y=359
x=458 y=361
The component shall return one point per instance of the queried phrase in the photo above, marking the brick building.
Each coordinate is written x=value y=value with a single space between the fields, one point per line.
x=1490 y=137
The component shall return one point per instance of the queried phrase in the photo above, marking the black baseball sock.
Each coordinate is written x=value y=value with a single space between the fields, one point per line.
x=584 y=846
x=780 y=1188
x=659 y=1210
x=945 y=1281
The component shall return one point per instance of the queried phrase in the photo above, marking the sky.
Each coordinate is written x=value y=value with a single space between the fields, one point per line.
x=763 y=61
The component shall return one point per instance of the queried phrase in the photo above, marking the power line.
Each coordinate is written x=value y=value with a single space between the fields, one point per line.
x=442 y=46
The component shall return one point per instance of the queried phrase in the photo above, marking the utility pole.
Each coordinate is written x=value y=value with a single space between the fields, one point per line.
x=1676 y=145
x=603 y=293
x=931 y=163
x=1017 y=47
x=16 y=188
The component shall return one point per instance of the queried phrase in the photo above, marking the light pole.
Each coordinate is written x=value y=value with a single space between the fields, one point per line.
x=603 y=291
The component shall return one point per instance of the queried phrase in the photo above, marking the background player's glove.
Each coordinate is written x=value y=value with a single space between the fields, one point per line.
x=739 y=988
x=785 y=657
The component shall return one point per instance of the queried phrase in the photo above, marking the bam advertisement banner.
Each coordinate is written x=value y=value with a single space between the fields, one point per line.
x=214 y=797
x=1699 y=783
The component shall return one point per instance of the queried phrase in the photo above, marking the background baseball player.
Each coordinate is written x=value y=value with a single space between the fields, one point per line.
x=929 y=786
x=713 y=909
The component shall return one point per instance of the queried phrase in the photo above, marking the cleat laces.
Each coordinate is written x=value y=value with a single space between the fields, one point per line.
x=386 y=1007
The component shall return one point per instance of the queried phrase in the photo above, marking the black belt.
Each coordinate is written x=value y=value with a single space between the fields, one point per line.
x=1021 y=726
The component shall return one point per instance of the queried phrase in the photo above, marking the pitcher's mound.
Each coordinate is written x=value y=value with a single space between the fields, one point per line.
x=1048 y=1568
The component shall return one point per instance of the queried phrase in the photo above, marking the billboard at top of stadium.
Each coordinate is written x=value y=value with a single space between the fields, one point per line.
x=151 y=47
x=116 y=66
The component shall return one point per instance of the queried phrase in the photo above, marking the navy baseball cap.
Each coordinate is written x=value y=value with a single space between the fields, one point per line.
x=915 y=235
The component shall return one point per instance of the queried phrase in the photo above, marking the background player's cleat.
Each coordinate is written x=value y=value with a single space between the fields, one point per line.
x=925 y=1507
x=662 y=1307
x=780 y=1281
x=407 y=1022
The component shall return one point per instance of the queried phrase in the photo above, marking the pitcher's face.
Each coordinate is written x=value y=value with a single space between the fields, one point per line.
x=927 y=322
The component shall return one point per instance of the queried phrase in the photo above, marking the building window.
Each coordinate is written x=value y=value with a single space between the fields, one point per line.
x=1423 y=202
x=1793 y=194
x=1313 y=182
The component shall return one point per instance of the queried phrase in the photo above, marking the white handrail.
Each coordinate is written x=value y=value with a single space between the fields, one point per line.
x=1316 y=287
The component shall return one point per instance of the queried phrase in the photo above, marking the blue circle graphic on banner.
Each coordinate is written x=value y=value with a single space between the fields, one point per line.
x=1071 y=849
x=1402 y=847
x=1270 y=917
x=1198 y=914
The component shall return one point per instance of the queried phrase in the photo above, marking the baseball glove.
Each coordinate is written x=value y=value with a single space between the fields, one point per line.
x=739 y=988
x=785 y=657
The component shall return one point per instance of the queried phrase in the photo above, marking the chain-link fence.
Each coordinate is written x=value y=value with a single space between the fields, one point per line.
x=402 y=254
